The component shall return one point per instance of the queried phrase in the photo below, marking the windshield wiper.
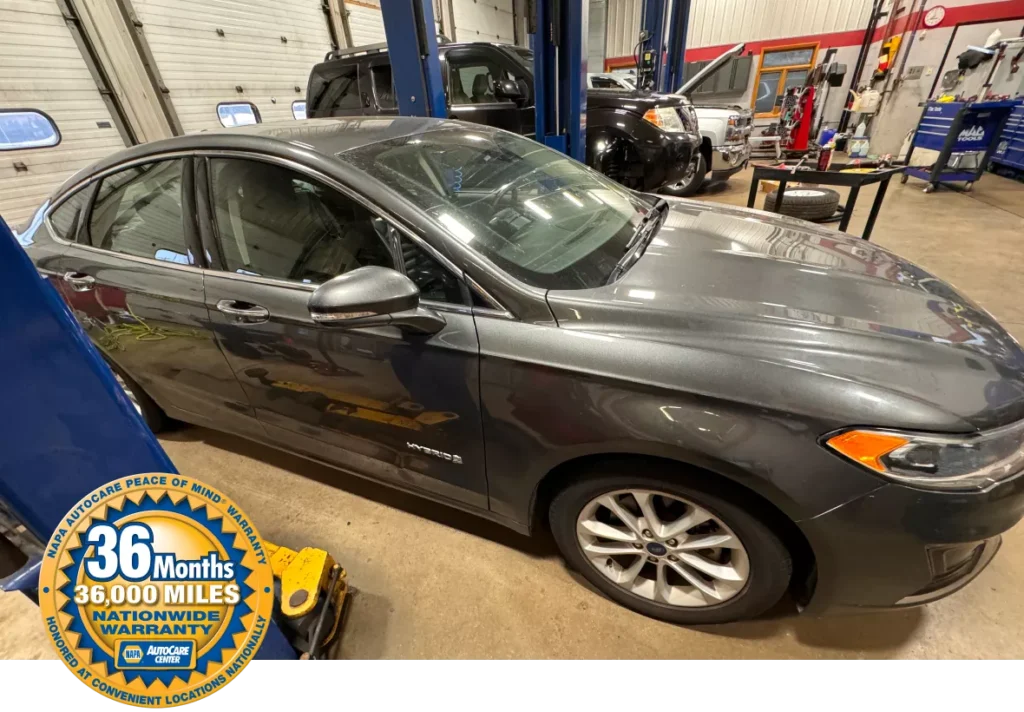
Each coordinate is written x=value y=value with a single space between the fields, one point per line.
x=640 y=239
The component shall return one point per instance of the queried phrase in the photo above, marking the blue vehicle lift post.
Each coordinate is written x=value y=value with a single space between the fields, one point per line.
x=675 y=65
x=652 y=27
x=75 y=428
x=558 y=35
x=412 y=47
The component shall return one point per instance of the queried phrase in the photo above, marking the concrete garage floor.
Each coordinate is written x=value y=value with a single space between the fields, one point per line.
x=436 y=583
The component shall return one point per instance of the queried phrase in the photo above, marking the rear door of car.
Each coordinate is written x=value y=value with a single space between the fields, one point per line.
x=133 y=281
x=384 y=402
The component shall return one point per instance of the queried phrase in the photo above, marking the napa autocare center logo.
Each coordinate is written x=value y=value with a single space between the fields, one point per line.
x=156 y=590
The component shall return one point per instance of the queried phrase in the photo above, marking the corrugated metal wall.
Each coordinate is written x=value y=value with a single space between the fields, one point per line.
x=202 y=68
x=715 y=22
x=719 y=22
x=623 y=28
x=41 y=68
x=483 y=20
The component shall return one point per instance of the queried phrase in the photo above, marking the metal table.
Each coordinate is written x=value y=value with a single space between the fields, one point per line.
x=853 y=181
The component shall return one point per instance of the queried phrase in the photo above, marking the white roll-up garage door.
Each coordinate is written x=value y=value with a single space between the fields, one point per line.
x=483 y=20
x=212 y=52
x=365 y=22
x=42 y=68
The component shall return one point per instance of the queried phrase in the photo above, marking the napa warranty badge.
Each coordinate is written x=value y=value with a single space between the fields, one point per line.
x=156 y=590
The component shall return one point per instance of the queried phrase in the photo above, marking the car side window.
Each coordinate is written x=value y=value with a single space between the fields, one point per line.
x=274 y=222
x=64 y=220
x=138 y=212
x=472 y=79
x=604 y=83
x=436 y=282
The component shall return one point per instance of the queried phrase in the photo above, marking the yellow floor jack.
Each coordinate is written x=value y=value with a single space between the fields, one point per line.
x=312 y=593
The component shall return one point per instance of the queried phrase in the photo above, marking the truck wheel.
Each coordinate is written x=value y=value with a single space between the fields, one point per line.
x=691 y=182
x=806 y=203
x=669 y=545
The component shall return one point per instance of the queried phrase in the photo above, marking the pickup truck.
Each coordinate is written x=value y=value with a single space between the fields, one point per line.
x=645 y=141
x=724 y=129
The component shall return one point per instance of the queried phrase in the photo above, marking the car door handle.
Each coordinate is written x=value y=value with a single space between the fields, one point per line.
x=79 y=282
x=248 y=313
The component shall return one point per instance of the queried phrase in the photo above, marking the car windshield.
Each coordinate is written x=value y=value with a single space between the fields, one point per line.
x=542 y=217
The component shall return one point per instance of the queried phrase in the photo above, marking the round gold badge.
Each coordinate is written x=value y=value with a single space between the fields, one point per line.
x=156 y=590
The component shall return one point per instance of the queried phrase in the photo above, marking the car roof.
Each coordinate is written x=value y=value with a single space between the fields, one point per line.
x=327 y=136
x=335 y=135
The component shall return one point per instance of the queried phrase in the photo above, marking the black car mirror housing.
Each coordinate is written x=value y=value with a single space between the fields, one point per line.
x=507 y=89
x=372 y=296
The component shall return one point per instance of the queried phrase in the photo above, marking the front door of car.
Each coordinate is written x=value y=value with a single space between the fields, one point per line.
x=389 y=403
x=131 y=279
x=472 y=75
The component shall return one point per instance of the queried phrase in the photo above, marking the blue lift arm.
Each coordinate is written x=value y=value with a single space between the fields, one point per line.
x=678 y=25
x=558 y=35
x=415 y=66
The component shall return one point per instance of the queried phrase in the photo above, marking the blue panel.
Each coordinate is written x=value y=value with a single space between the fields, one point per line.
x=75 y=429
x=654 y=24
x=935 y=124
x=573 y=69
x=561 y=97
x=417 y=78
x=678 y=26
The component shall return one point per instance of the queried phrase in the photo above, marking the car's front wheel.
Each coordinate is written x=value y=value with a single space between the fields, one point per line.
x=665 y=545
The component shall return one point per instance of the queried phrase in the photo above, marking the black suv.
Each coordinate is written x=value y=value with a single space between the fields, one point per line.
x=643 y=141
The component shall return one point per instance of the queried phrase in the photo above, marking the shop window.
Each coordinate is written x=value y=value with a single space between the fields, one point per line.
x=780 y=70
x=26 y=128
x=298 y=110
x=238 y=114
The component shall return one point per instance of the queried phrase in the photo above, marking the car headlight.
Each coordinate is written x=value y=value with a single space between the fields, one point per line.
x=665 y=118
x=973 y=462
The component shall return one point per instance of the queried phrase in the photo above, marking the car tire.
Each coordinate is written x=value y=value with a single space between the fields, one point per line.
x=805 y=203
x=155 y=418
x=691 y=182
x=768 y=562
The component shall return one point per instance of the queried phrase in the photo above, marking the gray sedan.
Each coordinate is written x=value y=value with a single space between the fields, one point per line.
x=705 y=405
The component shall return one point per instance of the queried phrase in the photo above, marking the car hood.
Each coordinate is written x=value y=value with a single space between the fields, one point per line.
x=636 y=102
x=799 y=302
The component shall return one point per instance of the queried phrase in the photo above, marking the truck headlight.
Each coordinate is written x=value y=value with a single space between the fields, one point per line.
x=974 y=462
x=733 y=132
x=665 y=118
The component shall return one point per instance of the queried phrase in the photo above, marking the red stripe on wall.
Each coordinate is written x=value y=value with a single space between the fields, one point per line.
x=978 y=12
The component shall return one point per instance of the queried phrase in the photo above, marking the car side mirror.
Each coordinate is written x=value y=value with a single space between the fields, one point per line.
x=507 y=89
x=372 y=296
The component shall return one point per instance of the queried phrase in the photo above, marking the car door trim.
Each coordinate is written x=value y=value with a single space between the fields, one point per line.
x=361 y=200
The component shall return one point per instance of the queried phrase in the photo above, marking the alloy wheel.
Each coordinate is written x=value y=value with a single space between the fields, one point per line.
x=663 y=548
